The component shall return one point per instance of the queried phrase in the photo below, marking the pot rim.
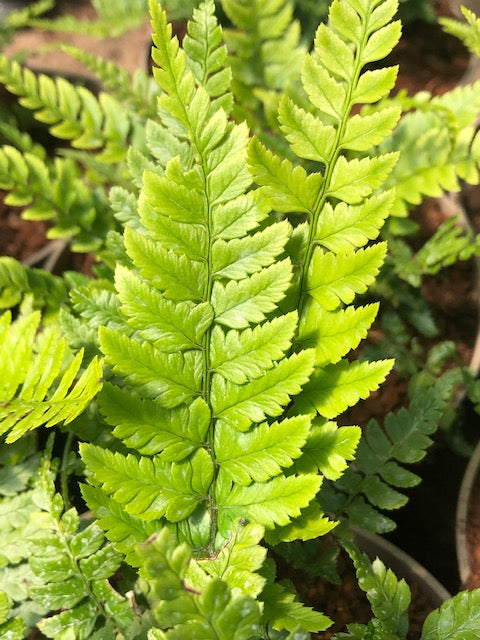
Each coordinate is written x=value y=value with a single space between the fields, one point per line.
x=464 y=497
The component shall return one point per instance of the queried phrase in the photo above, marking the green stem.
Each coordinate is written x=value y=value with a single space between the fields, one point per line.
x=329 y=167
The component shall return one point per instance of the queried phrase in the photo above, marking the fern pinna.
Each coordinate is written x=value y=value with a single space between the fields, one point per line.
x=227 y=366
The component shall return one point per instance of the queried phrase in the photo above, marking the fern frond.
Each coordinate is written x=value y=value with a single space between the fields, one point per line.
x=110 y=23
x=201 y=333
x=72 y=566
x=18 y=281
x=18 y=17
x=468 y=32
x=379 y=474
x=10 y=629
x=214 y=612
x=139 y=92
x=207 y=56
x=438 y=146
x=36 y=388
x=264 y=52
x=388 y=596
x=458 y=617
x=73 y=113
x=55 y=191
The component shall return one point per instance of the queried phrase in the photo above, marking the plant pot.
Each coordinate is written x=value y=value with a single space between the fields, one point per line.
x=468 y=524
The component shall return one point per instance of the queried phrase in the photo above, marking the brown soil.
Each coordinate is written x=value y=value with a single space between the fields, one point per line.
x=128 y=50
x=19 y=238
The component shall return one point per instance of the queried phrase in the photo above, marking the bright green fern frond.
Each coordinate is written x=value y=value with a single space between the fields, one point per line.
x=10 y=628
x=437 y=147
x=37 y=378
x=342 y=203
x=468 y=32
x=217 y=361
x=73 y=113
x=207 y=55
x=457 y=617
x=264 y=51
x=18 y=282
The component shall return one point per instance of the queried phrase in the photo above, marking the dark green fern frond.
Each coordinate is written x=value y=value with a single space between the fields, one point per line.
x=374 y=483
x=388 y=596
